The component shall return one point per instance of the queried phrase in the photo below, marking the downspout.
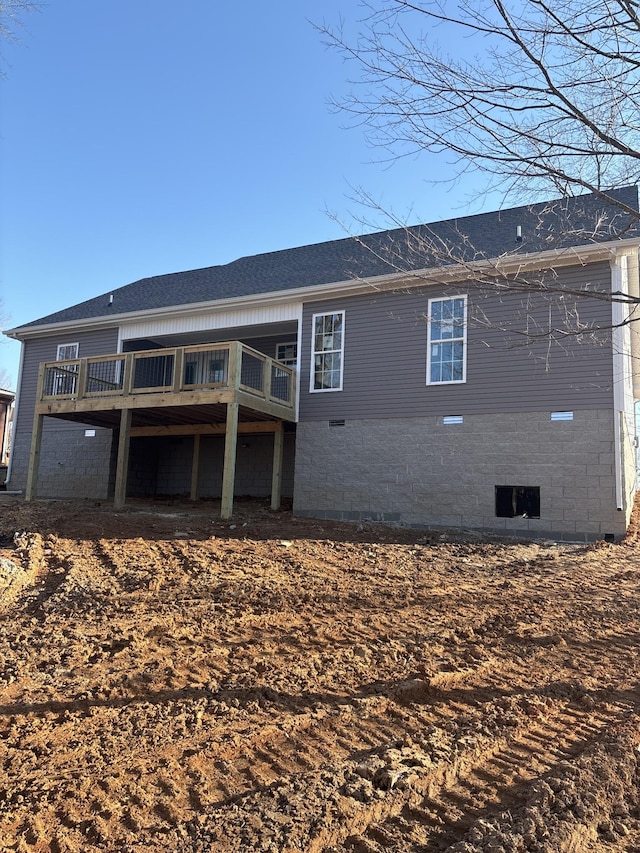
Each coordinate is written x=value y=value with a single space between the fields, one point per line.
x=617 y=452
x=625 y=348
x=298 y=362
x=633 y=289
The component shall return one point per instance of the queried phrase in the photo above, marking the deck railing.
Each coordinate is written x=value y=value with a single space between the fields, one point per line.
x=224 y=366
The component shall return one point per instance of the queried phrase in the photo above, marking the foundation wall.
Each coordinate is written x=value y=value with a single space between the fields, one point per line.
x=162 y=466
x=422 y=472
x=74 y=463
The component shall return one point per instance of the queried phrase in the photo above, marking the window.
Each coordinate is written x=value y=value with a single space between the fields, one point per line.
x=447 y=340
x=327 y=352
x=67 y=351
x=204 y=369
x=64 y=379
x=287 y=354
x=218 y=369
x=281 y=385
x=518 y=501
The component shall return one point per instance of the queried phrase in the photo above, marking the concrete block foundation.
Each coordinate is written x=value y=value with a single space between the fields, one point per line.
x=75 y=462
x=424 y=473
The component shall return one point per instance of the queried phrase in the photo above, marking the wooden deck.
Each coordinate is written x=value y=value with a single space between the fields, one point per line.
x=223 y=388
x=164 y=379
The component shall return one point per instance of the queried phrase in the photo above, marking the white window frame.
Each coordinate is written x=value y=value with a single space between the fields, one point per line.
x=459 y=339
x=62 y=382
x=60 y=356
x=289 y=361
x=335 y=351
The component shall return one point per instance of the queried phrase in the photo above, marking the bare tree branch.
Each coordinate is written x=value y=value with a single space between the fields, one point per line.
x=539 y=97
x=12 y=14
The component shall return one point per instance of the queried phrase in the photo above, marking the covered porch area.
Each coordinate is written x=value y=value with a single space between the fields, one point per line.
x=223 y=389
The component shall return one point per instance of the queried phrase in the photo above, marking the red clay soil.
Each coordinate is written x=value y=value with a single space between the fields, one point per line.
x=169 y=682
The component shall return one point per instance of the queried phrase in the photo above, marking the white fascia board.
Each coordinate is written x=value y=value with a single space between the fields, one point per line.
x=502 y=265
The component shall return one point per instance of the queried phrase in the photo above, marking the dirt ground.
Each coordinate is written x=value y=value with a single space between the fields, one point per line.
x=170 y=682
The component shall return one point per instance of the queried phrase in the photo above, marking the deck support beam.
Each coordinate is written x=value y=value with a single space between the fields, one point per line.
x=230 y=449
x=276 y=476
x=122 y=464
x=195 y=467
x=34 y=458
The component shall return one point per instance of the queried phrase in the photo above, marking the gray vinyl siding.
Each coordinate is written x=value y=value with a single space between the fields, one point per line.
x=45 y=349
x=35 y=352
x=385 y=355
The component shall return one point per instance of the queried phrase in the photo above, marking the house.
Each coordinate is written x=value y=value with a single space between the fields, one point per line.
x=476 y=372
x=6 y=413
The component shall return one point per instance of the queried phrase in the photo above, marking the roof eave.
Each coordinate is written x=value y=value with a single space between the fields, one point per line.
x=447 y=274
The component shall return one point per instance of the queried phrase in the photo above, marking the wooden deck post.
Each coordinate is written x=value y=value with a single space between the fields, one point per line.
x=276 y=476
x=266 y=378
x=122 y=465
x=34 y=458
x=81 y=387
x=178 y=369
x=229 y=472
x=127 y=379
x=235 y=365
x=195 y=467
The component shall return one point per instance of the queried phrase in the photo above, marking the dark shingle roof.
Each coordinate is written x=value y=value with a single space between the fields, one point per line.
x=570 y=222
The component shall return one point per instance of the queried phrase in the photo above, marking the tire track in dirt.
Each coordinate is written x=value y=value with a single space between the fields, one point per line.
x=484 y=782
x=422 y=790
x=570 y=731
x=211 y=694
x=453 y=709
x=264 y=766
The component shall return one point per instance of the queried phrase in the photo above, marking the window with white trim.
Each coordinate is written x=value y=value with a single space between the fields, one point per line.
x=447 y=340
x=67 y=351
x=327 y=352
x=287 y=353
x=64 y=380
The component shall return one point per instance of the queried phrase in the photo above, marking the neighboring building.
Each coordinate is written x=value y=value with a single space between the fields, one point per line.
x=6 y=412
x=474 y=373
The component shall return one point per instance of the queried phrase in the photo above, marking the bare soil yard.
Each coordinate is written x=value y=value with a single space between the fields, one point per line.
x=170 y=682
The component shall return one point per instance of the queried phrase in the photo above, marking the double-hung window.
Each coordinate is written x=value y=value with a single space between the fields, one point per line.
x=287 y=353
x=447 y=340
x=66 y=352
x=65 y=379
x=327 y=352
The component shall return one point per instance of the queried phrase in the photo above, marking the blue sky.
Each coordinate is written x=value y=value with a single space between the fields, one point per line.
x=141 y=137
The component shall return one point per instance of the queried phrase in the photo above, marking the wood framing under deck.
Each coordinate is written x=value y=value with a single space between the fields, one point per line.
x=218 y=389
